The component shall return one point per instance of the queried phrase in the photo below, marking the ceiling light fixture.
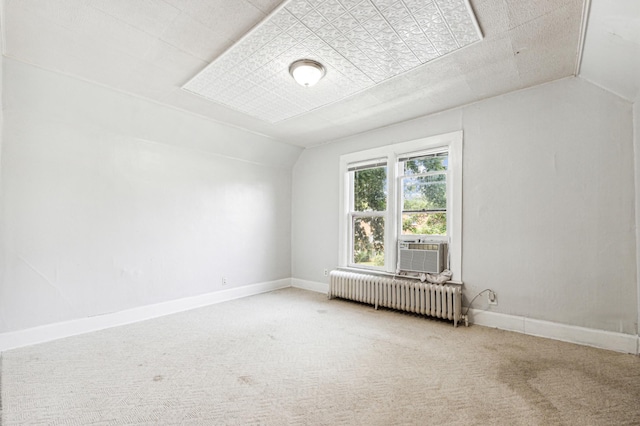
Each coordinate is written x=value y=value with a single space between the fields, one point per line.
x=306 y=72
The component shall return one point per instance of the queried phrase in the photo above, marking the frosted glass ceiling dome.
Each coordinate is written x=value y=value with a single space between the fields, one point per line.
x=306 y=72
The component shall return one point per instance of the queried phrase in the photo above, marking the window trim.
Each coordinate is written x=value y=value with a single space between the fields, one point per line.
x=453 y=143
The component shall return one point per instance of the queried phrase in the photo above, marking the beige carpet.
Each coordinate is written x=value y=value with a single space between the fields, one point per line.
x=294 y=357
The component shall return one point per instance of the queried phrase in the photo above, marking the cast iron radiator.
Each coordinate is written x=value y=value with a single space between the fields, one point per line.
x=436 y=300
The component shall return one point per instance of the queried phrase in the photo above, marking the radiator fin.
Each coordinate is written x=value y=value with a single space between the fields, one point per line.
x=435 y=300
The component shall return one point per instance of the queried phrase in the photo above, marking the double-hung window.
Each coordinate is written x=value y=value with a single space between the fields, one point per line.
x=401 y=192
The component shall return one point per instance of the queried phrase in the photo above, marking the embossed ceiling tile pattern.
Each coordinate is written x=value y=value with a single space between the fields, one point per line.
x=360 y=42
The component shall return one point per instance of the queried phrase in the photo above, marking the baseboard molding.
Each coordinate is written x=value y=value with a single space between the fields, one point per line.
x=49 y=332
x=619 y=342
x=310 y=285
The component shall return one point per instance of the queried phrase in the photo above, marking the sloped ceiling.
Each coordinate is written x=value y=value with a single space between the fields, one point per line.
x=611 y=56
x=151 y=48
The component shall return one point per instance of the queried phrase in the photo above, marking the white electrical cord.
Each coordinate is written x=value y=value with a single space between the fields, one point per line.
x=492 y=297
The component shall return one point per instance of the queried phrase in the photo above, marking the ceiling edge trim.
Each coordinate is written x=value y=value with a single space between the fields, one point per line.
x=586 y=9
x=476 y=23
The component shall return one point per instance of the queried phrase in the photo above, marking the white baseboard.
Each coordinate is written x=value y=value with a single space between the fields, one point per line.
x=46 y=333
x=619 y=342
x=310 y=285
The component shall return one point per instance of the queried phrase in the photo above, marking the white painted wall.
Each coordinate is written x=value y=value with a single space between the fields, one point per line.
x=112 y=202
x=548 y=203
x=611 y=55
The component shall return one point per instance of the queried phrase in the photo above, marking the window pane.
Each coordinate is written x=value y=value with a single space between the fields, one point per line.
x=368 y=241
x=424 y=192
x=424 y=223
x=370 y=189
x=428 y=163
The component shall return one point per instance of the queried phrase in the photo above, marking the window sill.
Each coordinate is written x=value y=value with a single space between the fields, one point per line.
x=388 y=274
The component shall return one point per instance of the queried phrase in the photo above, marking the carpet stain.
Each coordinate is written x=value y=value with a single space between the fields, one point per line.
x=157 y=378
x=246 y=380
x=505 y=346
x=322 y=311
x=519 y=373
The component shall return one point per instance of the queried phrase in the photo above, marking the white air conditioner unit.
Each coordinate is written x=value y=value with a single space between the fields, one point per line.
x=422 y=256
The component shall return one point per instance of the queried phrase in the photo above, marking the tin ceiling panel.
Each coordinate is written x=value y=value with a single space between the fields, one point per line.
x=360 y=43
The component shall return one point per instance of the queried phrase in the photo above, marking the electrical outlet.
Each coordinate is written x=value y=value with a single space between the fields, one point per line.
x=224 y=280
x=492 y=297
x=326 y=272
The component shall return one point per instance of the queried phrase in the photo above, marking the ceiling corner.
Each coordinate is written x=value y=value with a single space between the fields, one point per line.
x=583 y=34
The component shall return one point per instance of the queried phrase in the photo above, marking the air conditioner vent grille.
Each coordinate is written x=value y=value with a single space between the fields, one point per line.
x=422 y=257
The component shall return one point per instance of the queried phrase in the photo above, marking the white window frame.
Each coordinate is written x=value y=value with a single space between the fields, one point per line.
x=452 y=142
x=391 y=191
